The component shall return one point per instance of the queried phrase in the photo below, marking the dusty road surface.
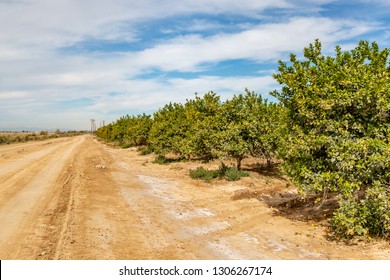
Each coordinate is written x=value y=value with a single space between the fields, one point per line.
x=76 y=198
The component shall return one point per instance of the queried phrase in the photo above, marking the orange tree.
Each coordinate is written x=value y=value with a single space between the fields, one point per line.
x=247 y=125
x=339 y=130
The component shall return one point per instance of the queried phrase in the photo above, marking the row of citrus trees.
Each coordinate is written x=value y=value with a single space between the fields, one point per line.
x=205 y=127
x=331 y=129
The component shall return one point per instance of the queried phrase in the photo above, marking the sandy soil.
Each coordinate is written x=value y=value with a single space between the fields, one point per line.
x=76 y=198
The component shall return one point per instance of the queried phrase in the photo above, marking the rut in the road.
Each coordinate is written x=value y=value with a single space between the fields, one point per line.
x=30 y=185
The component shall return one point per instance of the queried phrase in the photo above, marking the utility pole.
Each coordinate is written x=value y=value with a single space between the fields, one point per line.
x=93 y=125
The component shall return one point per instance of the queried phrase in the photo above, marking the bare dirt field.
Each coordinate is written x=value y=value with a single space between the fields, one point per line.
x=76 y=198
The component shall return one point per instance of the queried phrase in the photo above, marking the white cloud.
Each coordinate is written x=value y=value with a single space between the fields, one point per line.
x=37 y=76
x=55 y=23
x=149 y=95
x=260 y=43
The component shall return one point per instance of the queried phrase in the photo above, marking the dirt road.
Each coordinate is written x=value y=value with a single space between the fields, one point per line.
x=76 y=198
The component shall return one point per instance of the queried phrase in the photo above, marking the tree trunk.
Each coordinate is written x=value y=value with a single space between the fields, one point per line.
x=239 y=159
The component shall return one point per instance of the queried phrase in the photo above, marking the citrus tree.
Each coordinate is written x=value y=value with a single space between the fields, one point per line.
x=127 y=131
x=201 y=114
x=230 y=136
x=169 y=129
x=138 y=129
x=247 y=125
x=339 y=130
x=264 y=122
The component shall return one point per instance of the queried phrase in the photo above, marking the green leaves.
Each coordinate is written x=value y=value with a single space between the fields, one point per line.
x=248 y=125
x=369 y=215
x=185 y=129
x=127 y=131
x=168 y=130
x=338 y=125
x=205 y=127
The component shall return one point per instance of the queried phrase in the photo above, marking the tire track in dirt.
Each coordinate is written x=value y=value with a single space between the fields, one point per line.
x=99 y=223
x=12 y=152
x=21 y=160
x=16 y=176
x=33 y=191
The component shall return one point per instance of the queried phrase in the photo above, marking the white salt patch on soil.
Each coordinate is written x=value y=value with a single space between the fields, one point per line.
x=158 y=187
x=187 y=215
x=225 y=251
x=207 y=229
x=248 y=238
x=278 y=247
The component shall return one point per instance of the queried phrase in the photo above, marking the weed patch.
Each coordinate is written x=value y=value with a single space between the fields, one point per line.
x=145 y=150
x=234 y=174
x=160 y=159
x=229 y=173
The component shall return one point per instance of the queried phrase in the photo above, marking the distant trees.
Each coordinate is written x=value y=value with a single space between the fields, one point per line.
x=127 y=131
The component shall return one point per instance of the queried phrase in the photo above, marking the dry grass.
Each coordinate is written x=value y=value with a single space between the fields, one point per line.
x=21 y=137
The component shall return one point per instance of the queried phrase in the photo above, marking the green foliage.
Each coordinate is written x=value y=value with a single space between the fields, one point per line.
x=339 y=129
x=234 y=174
x=230 y=173
x=160 y=159
x=264 y=125
x=127 y=131
x=247 y=124
x=204 y=174
x=138 y=130
x=169 y=128
x=185 y=129
x=230 y=137
x=367 y=216
x=201 y=113
x=204 y=127
x=145 y=150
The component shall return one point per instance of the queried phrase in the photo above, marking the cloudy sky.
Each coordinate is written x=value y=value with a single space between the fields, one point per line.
x=63 y=62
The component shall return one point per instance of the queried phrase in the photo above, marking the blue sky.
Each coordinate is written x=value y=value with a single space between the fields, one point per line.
x=64 y=62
